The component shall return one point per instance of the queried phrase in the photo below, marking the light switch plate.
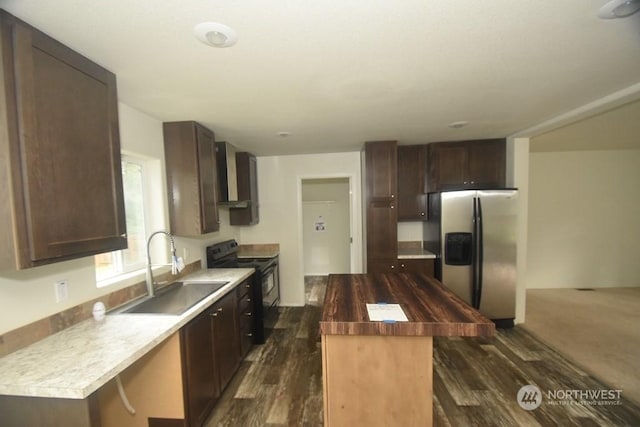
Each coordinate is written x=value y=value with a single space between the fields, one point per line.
x=62 y=290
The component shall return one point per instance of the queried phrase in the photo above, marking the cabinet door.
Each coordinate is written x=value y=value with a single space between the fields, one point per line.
x=382 y=230
x=208 y=180
x=416 y=266
x=190 y=158
x=382 y=265
x=447 y=166
x=487 y=163
x=381 y=169
x=412 y=182
x=226 y=344
x=247 y=173
x=202 y=385
x=63 y=140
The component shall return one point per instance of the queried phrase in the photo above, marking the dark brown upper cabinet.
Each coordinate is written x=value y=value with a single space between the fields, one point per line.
x=380 y=171
x=61 y=183
x=247 y=177
x=466 y=164
x=190 y=157
x=412 y=182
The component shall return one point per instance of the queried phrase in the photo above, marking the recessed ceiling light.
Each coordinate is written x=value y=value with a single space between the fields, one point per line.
x=619 y=9
x=215 y=34
x=458 y=125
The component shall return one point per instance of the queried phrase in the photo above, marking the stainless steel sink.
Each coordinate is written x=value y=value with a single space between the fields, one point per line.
x=175 y=298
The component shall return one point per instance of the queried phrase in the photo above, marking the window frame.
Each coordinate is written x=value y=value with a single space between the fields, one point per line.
x=122 y=270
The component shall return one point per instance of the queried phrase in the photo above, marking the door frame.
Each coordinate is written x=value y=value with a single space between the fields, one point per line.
x=356 y=237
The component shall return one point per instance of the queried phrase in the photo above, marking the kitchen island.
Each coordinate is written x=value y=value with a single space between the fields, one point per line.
x=380 y=373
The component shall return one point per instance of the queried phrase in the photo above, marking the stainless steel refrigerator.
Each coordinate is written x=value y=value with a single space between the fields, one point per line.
x=473 y=233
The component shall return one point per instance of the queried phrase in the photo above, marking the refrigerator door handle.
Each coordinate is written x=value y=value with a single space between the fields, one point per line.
x=480 y=256
x=474 y=261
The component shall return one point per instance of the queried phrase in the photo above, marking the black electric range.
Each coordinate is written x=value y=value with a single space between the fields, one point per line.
x=266 y=282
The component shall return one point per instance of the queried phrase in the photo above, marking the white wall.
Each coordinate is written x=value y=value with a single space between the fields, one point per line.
x=518 y=177
x=28 y=295
x=280 y=180
x=410 y=231
x=584 y=208
x=327 y=202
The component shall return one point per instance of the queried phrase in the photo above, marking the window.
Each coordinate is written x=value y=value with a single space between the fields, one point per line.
x=109 y=265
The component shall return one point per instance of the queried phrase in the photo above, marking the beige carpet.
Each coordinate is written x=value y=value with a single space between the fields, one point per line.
x=599 y=330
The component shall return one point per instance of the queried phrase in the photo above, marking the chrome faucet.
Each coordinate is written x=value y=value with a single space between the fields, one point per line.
x=176 y=264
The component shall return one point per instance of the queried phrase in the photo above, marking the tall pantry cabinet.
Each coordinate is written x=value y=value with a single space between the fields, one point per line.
x=381 y=182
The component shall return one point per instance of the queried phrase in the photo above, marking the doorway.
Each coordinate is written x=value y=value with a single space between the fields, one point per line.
x=326 y=222
x=326 y=232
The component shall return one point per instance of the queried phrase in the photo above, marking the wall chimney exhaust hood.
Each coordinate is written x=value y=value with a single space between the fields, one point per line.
x=228 y=176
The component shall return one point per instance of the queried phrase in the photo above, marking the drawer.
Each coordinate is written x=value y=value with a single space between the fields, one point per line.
x=244 y=289
x=246 y=332
x=245 y=303
x=425 y=266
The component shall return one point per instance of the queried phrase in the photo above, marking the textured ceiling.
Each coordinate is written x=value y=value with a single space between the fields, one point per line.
x=336 y=73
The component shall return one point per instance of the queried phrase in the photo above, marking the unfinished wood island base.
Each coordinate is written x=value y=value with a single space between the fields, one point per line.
x=378 y=373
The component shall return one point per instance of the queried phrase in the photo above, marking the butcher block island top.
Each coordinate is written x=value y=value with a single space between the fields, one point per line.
x=431 y=309
x=380 y=373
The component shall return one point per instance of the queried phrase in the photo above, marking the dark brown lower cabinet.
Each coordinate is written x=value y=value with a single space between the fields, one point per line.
x=245 y=317
x=226 y=342
x=211 y=356
x=201 y=382
x=382 y=265
x=416 y=266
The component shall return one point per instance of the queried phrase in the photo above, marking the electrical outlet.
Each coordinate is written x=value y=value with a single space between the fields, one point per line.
x=62 y=290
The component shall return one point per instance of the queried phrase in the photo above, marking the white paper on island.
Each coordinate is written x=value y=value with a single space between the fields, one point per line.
x=386 y=313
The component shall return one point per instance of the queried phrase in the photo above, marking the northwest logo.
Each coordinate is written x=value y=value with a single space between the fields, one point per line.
x=529 y=397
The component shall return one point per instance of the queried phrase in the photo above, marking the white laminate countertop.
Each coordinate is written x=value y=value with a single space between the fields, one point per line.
x=79 y=360
x=415 y=253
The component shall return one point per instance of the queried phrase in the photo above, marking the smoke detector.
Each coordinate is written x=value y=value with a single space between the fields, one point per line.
x=215 y=34
x=619 y=9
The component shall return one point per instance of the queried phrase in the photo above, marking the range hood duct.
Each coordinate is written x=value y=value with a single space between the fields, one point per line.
x=228 y=176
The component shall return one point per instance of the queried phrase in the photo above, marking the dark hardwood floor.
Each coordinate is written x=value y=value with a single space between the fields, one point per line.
x=280 y=382
x=476 y=381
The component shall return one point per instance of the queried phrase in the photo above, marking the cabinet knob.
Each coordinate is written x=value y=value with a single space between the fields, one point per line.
x=473 y=182
x=393 y=266
x=248 y=299
x=248 y=313
x=402 y=265
x=421 y=213
x=249 y=334
x=219 y=310
x=465 y=182
x=391 y=206
x=393 y=196
x=247 y=285
x=214 y=314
